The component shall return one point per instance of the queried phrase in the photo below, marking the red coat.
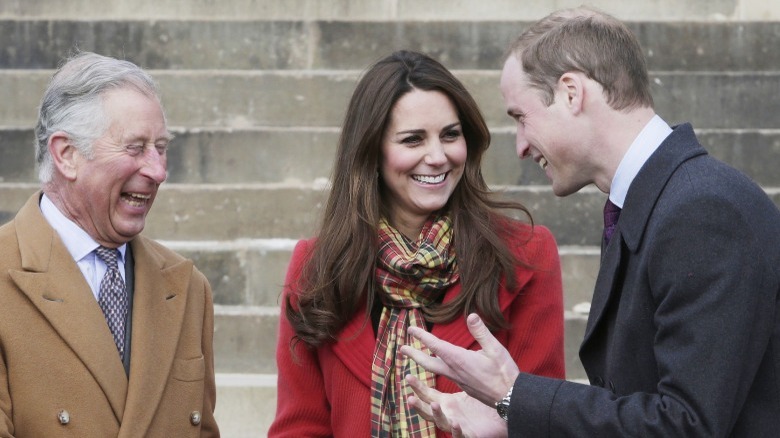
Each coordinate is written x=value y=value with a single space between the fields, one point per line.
x=325 y=392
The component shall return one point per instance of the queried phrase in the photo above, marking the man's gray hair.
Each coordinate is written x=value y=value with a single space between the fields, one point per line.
x=73 y=103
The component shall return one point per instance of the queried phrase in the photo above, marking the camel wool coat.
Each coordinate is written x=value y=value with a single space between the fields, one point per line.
x=60 y=375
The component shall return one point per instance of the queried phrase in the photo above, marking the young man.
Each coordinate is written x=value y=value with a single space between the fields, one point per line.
x=683 y=337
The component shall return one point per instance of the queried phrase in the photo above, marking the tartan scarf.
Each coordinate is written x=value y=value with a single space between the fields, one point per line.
x=411 y=275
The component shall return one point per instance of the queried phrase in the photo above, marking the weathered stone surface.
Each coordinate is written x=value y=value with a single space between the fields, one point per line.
x=579 y=269
x=241 y=272
x=382 y=10
x=331 y=45
x=42 y=44
x=245 y=339
x=252 y=273
x=12 y=197
x=268 y=155
x=262 y=155
x=291 y=99
x=184 y=212
x=246 y=404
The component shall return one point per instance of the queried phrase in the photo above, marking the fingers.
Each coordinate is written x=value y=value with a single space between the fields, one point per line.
x=441 y=420
x=482 y=334
x=429 y=340
x=432 y=364
x=421 y=390
x=456 y=431
x=426 y=403
x=421 y=408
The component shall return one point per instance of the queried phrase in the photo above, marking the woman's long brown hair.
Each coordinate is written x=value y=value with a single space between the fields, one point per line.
x=337 y=276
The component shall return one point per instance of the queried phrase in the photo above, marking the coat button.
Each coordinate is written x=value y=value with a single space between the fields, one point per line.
x=195 y=418
x=63 y=416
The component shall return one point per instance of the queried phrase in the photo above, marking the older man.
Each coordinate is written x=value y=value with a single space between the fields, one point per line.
x=103 y=332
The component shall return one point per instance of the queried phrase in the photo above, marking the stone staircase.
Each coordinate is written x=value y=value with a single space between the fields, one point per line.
x=255 y=91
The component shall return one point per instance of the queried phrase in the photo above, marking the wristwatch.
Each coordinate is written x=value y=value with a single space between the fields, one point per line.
x=502 y=406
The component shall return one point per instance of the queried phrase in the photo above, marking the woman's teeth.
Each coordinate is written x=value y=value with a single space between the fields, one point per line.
x=430 y=179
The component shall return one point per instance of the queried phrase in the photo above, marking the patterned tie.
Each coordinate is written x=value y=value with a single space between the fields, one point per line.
x=611 y=215
x=113 y=298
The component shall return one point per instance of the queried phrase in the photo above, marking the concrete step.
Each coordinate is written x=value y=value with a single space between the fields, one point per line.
x=305 y=156
x=246 y=404
x=245 y=340
x=382 y=10
x=267 y=211
x=332 y=45
x=241 y=99
x=252 y=272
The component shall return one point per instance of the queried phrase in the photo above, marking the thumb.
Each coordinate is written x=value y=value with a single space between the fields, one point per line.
x=482 y=334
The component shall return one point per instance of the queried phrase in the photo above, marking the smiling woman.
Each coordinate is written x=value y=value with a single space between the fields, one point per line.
x=423 y=156
x=411 y=237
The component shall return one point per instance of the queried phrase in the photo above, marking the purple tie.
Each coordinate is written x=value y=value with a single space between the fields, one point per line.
x=113 y=298
x=611 y=215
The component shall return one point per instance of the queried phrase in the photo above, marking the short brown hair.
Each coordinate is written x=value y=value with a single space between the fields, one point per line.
x=588 y=41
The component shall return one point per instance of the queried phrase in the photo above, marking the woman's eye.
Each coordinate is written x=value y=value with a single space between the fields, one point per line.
x=451 y=135
x=412 y=139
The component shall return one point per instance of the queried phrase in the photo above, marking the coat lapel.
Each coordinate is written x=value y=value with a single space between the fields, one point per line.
x=159 y=302
x=605 y=282
x=680 y=146
x=54 y=284
x=355 y=348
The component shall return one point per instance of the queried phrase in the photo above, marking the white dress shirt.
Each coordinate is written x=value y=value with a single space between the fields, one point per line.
x=648 y=140
x=80 y=246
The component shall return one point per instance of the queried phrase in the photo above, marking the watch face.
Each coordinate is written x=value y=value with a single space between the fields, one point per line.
x=502 y=407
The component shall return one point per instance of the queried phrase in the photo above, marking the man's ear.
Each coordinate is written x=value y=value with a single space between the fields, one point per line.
x=64 y=154
x=571 y=87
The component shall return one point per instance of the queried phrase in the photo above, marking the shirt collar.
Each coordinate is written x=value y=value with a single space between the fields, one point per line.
x=643 y=146
x=76 y=240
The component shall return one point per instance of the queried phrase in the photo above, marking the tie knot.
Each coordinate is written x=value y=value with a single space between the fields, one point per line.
x=611 y=214
x=108 y=255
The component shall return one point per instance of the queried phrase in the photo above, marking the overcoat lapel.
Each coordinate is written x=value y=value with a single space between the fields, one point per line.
x=355 y=347
x=680 y=146
x=159 y=303
x=54 y=284
x=606 y=282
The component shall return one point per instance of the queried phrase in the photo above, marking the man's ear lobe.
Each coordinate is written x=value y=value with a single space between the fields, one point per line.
x=64 y=154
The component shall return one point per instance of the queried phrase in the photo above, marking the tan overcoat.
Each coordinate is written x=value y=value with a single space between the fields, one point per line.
x=60 y=374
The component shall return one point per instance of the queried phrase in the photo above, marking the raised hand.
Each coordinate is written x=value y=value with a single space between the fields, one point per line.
x=485 y=375
x=459 y=413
